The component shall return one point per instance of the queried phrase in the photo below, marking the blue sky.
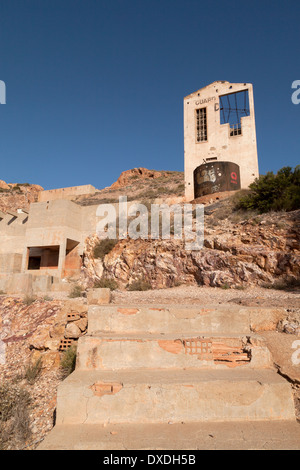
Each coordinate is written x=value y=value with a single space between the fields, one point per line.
x=96 y=87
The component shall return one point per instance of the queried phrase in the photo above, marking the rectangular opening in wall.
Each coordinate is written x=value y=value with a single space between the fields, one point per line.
x=201 y=125
x=233 y=107
x=34 y=262
x=43 y=257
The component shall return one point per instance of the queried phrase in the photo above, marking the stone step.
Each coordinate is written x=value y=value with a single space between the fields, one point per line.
x=117 y=352
x=176 y=319
x=150 y=396
x=240 y=435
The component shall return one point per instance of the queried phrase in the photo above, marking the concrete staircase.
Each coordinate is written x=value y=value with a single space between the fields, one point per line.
x=182 y=377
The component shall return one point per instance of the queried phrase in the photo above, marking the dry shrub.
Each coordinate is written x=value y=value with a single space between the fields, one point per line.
x=14 y=416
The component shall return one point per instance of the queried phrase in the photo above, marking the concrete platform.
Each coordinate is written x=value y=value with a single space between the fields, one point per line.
x=283 y=435
x=160 y=396
x=159 y=319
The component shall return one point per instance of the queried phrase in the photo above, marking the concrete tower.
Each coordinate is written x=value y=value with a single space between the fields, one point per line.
x=220 y=151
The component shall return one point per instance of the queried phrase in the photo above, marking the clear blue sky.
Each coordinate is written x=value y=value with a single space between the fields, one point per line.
x=96 y=87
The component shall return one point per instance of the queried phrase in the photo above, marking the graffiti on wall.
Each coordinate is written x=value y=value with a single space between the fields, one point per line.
x=215 y=177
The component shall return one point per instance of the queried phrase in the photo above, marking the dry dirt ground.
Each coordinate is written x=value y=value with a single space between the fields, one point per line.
x=252 y=296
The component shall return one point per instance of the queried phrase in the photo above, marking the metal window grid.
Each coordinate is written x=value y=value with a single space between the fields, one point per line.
x=201 y=125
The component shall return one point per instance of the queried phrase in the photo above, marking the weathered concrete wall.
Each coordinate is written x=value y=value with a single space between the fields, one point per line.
x=12 y=237
x=12 y=231
x=29 y=283
x=65 y=193
x=52 y=224
x=10 y=262
x=220 y=145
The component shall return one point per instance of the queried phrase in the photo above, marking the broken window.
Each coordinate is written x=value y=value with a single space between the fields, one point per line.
x=45 y=257
x=201 y=125
x=233 y=107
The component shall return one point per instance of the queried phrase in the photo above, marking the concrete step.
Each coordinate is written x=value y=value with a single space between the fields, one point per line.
x=117 y=352
x=153 y=396
x=266 y=435
x=180 y=320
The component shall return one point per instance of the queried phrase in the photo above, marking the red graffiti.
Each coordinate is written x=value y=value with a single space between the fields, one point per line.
x=233 y=177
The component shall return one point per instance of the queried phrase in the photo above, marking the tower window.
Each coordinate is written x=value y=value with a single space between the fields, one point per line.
x=201 y=125
x=233 y=107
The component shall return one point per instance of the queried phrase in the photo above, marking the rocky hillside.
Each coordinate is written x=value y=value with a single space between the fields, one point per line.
x=34 y=334
x=240 y=249
x=139 y=184
x=17 y=196
x=129 y=176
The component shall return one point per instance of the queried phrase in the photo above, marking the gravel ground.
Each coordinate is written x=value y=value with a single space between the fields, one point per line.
x=251 y=296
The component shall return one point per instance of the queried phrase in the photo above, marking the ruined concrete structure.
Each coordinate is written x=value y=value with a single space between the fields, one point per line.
x=46 y=240
x=220 y=155
x=167 y=377
x=220 y=150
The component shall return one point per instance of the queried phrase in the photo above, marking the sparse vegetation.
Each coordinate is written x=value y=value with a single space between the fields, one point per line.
x=139 y=285
x=68 y=361
x=103 y=247
x=47 y=298
x=14 y=415
x=177 y=283
x=106 y=283
x=225 y=286
x=17 y=188
x=29 y=299
x=33 y=371
x=76 y=291
x=288 y=284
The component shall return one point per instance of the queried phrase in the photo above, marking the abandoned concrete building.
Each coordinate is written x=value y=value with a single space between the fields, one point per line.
x=46 y=244
x=220 y=150
x=47 y=240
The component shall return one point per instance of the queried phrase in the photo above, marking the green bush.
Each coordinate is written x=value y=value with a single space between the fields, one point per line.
x=273 y=192
x=103 y=247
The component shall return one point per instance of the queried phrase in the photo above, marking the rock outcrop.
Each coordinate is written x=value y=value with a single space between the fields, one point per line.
x=18 y=196
x=249 y=252
x=136 y=173
x=30 y=334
